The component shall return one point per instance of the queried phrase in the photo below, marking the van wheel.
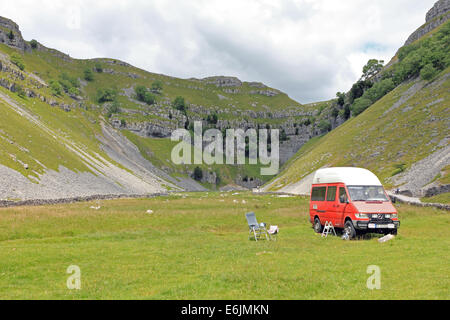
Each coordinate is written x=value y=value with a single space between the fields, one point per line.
x=349 y=229
x=317 y=225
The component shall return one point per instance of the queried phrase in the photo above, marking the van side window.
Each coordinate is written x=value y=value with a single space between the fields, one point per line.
x=331 y=194
x=318 y=194
x=343 y=198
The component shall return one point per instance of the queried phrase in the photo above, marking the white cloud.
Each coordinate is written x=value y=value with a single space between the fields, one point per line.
x=308 y=49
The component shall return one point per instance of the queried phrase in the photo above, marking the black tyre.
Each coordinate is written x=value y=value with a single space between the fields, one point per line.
x=318 y=225
x=350 y=230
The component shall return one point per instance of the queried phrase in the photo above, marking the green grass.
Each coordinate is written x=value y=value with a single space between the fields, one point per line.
x=441 y=198
x=197 y=248
x=22 y=141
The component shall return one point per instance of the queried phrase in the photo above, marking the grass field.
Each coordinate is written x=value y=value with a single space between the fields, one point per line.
x=196 y=247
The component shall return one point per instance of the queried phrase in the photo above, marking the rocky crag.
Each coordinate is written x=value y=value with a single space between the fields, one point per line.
x=438 y=15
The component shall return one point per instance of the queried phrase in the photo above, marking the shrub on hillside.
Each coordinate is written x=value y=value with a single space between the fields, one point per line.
x=341 y=98
x=180 y=104
x=358 y=89
x=33 y=44
x=428 y=72
x=18 y=61
x=113 y=108
x=73 y=91
x=20 y=91
x=428 y=54
x=372 y=67
x=335 y=113
x=106 y=95
x=143 y=95
x=379 y=90
x=69 y=84
x=157 y=86
x=98 y=67
x=212 y=119
x=360 y=105
x=325 y=126
x=56 y=88
x=88 y=74
x=345 y=113
x=399 y=168
x=11 y=35
x=198 y=174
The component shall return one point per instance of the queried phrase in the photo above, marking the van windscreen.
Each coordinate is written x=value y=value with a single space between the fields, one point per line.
x=367 y=193
x=318 y=194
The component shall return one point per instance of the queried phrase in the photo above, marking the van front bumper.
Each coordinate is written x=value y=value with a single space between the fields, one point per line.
x=376 y=225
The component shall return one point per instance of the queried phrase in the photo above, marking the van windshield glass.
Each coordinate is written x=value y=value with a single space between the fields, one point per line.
x=367 y=193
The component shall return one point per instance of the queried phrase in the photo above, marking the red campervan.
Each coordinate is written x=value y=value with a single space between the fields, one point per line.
x=352 y=199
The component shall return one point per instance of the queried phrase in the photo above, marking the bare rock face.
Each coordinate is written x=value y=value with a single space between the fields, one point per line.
x=438 y=9
x=436 y=16
x=223 y=81
x=11 y=35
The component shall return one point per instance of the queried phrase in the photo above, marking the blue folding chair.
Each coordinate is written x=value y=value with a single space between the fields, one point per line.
x=256 y=230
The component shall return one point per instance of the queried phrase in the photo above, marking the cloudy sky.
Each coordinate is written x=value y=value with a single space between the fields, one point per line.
x=309 y=49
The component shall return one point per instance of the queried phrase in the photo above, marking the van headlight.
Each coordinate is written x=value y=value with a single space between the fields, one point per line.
x=394 y=216
x=362 y=216
x=387 y=216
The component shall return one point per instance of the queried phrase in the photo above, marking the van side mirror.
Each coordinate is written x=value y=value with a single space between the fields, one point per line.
x=394 y=200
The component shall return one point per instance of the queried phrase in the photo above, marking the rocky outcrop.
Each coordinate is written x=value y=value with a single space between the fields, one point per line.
x=435 y=189
x=223 y=81
x=11 y=35
x=439 y=14
x=439 y=8
x=267 y=93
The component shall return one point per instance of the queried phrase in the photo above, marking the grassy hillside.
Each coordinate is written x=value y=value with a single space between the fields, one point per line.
x=74 y=97
x=125 y=253
x=387 y=138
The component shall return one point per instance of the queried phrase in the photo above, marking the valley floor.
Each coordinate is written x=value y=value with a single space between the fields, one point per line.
x=195 y=246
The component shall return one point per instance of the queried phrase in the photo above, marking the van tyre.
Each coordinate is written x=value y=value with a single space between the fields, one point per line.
x=350 y=230
x=318 y=225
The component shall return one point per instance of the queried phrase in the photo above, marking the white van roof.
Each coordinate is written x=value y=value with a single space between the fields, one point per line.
x=349 y=176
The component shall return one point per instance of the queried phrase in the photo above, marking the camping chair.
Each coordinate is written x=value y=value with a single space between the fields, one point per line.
x=256 y=230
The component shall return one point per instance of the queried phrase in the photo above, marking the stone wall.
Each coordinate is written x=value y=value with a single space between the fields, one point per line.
x=42 y=202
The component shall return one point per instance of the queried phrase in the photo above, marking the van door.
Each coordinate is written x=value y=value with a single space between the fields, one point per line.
x=331 y=204
x=341 y=205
